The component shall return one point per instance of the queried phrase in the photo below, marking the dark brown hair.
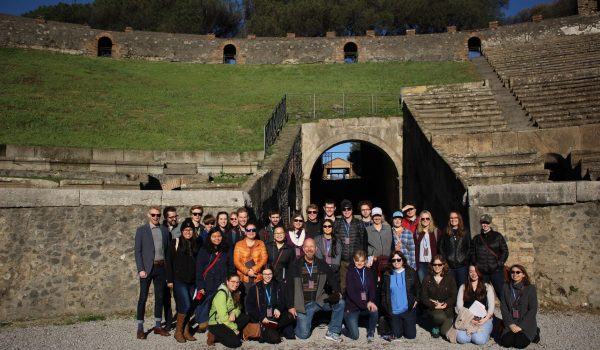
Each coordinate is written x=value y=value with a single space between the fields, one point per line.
x=526 y=280
x=445 y=266
x=461 y=225
x=479 y=292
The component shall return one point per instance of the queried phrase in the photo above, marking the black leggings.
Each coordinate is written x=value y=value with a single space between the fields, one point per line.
x=514 y=340
x=226 y=335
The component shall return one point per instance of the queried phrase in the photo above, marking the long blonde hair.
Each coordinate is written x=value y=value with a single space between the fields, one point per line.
x=431 y=228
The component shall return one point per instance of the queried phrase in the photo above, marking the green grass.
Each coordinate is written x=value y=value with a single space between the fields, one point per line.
x=54 y=99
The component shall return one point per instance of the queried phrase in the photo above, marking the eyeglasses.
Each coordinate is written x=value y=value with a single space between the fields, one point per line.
x=155 y=215
x=516 y=272
x=197 y=214
x=425 y=219
x=366 y=209
x=454 y=218
x=347 y=209
x=396 y=260
x=267 y=273
x=173 y=217
x=250 y=230
x=437 y=265
x=312 y=211
x=327 y=226
x=298 y=220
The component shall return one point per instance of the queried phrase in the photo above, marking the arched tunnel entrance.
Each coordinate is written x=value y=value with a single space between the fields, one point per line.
x=355 y=170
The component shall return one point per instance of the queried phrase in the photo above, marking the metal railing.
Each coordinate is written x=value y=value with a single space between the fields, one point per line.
x=274 y=125
x=342 y=105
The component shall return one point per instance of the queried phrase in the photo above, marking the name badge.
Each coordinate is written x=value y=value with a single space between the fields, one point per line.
x=363 y=296
x=297 y=251
x=515 y=314
x=426 y=251
x=328 y=259
x=311 y=284
x=347 y=240
x=269 y=312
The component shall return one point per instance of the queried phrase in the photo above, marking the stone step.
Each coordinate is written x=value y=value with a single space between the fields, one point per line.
x=557 y=91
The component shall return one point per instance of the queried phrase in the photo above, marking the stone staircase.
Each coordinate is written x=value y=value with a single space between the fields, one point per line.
x=588 y=161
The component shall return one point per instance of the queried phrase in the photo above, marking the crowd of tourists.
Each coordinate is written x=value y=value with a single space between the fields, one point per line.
x=238 y=283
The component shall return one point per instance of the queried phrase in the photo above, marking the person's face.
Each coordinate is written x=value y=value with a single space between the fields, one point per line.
x=267 y=275
x=154 y=216
x=425 y=220
x=327 y=228
x=516 y=274
x=365 y=211
x=242 y=219
x=309 y=248
x=279 y=235
x=473 y=274
x=397 y=262
x=397 y=222
x=222 y=220
x=347 y=212
x=233 y=220
x=329 y=209
x=187 y=233
x=208 y=225
x=233 y=283
x=454 y=220
x=312 y=214
x=359 y=263
x=485 y=226
x=412 y=212
x=196 y=215
x=216 y=238
x=377 y=219
x=437 y=266
x=275 y=218
x=172 y=218
x=298 y=222
x=250 y=231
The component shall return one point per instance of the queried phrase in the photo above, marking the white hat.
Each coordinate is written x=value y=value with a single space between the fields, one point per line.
x=376 y=211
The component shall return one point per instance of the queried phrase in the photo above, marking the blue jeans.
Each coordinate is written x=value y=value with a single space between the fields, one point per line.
x=183 y=295
x=158 y=278
x=304 y=320
x=351 y=320
x=496 y=279
x=404 y=324
x=480 y=337
x=423 y=270
x=460 y=275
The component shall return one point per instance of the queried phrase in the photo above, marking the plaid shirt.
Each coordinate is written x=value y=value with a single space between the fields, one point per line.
x=407 y=247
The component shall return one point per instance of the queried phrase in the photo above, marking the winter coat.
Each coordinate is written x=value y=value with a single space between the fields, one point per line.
x=413 y=289
x=455 y=249
x=481 y=256
x=242 y=254
x=356 y=233
x=180 y=260
x=526 y=304
x=222 y=305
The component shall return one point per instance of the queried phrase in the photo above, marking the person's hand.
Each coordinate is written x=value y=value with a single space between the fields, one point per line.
x=276 y=313
x=475 y=322
x=265 y=320
x=369 y=262
x=398 y=246
x=143 y=274
x=293 y=312
x=514 y=328
x=482 y=321
x=232 y=316
x=371 y=306
x=443 y=305
x=202 y=291
x=170 y=285
x=236 y=332
x=251 y=273
x=414 y=305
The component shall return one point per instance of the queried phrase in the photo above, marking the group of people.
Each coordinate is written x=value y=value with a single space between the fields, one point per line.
x=240 y=283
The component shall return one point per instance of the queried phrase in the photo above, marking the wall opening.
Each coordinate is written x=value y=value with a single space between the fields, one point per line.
x=350 y=53
x=229 y=54
x=355 y=170
x=474 y=45
x=104 y=47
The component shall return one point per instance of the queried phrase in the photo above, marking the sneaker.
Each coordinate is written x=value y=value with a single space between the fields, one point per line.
x=394 y=339
x=435 y=332
x=333 y=337
x=370 y=338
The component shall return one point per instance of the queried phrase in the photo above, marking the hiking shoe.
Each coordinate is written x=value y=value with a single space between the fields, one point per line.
x=435 y=332
x=333 y=337
x=370 y=338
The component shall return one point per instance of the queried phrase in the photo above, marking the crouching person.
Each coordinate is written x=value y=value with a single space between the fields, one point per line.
x=312 y=287
x=226 y=320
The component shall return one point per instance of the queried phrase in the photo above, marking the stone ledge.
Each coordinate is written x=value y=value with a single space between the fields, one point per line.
x=588 y=191
x=209 y=198
x=523 y=194
x=26 y=197
x=120 y=197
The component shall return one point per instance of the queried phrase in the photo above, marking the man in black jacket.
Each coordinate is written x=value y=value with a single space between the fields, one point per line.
x=489 y=253
x=352 y=235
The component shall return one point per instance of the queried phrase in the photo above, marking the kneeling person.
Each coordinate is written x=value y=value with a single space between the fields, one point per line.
x=360 y=297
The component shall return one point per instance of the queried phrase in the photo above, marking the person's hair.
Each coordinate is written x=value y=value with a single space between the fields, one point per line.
x=235 y=295
x=312 y=206
x=479 y=292
x=295 y=215
x=233 y=213
x=227 y=219
x=269 y=267
x=155 y=207
x=359 y=254
x=210 y=247
x=365 y=202
x=329 y=201
x=194 y=207
x=400 y=254
x=333 y=238
x=241 y=210
x=526 y=280
x=208 y=219
x=168 y=209
x=431 y=228
x=274 y=211
x=461 y=225
x=445 y=267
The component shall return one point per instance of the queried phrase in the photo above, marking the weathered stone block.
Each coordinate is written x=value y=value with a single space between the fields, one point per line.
x=523 y=194
x=137 y=155
x=505 y=142
x=480 y=143
x=411 y=32
x=30 y=197
x=107 y=154
x=17 y=151
x=120 y=197
x=210 y=198
x=63 y=153
x=103 y=168
x=589 y=137
x=588 y=191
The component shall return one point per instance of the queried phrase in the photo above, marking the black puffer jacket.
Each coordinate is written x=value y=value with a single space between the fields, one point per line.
x=357 y=234
x=486 y=261
x=455 y=249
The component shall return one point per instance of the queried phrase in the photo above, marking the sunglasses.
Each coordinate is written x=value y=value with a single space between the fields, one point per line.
x=409 y=209
x=250 y=230
x=155 y=215
x=425 y=219
x=312 y=211
x=197 y=214
x=516 y=272
x=232 y=219
x=454 y=218
x=396 y=260
x=347 y=209
x=437 y=265
x=298 y=220
x=327 y=226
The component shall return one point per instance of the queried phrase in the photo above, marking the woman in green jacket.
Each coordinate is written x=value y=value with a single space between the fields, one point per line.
x=226 y=320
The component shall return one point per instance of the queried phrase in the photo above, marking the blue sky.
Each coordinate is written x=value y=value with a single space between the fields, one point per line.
x=18 y=7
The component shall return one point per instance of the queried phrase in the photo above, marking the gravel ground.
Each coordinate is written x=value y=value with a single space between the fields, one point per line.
x=559 y=331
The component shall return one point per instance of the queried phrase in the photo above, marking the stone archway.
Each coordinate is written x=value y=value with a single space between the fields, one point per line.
x=383 y=133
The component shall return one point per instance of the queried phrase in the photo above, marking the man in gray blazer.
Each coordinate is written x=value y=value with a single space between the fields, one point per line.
x=151 y=243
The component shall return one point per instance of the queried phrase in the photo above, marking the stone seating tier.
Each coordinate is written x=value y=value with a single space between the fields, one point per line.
x=589 y=160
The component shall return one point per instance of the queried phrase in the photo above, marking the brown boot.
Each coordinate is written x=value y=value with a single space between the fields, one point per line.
x=186 y=329
x=179 y=328
x=210 y=339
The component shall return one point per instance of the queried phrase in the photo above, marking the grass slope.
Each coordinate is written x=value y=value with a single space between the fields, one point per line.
x=62 y=100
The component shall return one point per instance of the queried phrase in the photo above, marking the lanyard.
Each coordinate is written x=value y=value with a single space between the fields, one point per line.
x=327 y=244
x=310 y=271
x=362 y=278
x=347 y=226
x=515 y=296
x=268 y=295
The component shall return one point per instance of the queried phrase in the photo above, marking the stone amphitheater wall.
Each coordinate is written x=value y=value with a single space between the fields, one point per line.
x=79 y=39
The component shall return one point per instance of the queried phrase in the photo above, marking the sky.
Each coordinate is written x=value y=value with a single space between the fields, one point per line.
x=18 y=7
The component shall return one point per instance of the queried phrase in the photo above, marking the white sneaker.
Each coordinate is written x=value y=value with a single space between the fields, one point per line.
x=333 y=337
